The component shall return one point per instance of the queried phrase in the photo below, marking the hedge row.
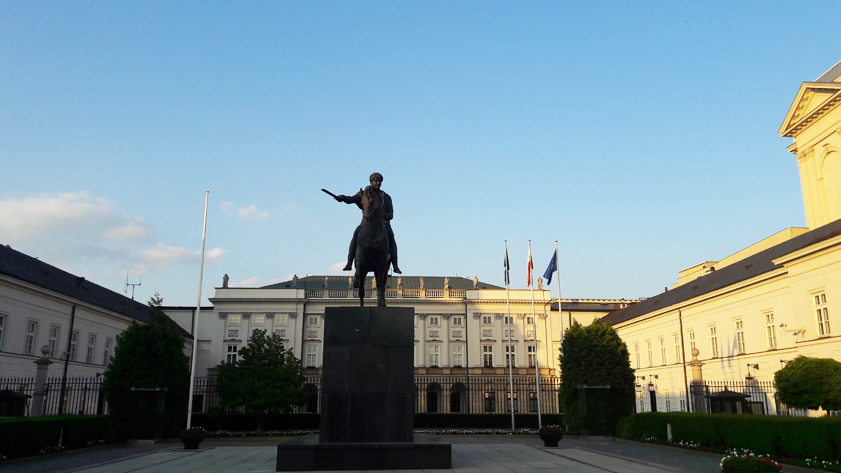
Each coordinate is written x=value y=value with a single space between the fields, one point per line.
x=775 y=435
x=25 y=436
x=248 y=423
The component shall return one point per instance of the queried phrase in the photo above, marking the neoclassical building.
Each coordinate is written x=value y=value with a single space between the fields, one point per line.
x=461 y=331
x=747 y=315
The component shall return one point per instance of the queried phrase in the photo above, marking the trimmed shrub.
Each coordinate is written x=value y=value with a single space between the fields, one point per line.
x=779 y=436
x=26 y=436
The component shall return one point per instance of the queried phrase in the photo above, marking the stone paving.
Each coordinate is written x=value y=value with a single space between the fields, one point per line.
x=471 y=454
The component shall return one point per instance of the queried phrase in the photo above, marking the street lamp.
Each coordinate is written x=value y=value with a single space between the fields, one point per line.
x=755 y=366
x=651 y=382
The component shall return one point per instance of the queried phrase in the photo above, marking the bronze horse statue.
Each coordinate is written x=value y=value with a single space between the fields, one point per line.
x=372 y=250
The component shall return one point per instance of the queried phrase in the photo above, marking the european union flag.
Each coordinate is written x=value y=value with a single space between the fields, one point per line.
x=553 y=266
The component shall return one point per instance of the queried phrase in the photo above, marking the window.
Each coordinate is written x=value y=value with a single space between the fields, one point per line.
x=530 y=320
x=434 y=320
x=490 y=401
x=508 y=402
x=29 y=341
x=233 y=320
x=740 y=336
x=487 y=319
x=74 y=340
x=54 y=332
x=510 y=356
x=508 y=320
x=770 y=331
x=281 y=319
x=663 y=351
x=650 y=354
x=106 y=354
x=668 y=402
x=691 y=340
x=642 y=405
x=533 y=401
x=232 y=354
x=456 y=321
x=91 y=347
x=434 y=351
x=530 y=352
x=458 y=355
x=822 y=312
x=637 y=353
x=678 y=351
x=257 y=320
x=2 y=328
x=488 y=355
x=682 y=401
x=713 y=342
x=312 y=355
x=312 y=321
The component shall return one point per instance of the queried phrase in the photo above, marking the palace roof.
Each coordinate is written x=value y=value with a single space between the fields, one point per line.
x=743 y=270
x=409 y=282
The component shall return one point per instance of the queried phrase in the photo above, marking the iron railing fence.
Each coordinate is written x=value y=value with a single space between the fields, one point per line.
x=433 y=394
x=739 y=397
x=82 y=395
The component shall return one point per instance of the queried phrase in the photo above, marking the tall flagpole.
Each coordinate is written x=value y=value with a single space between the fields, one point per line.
x=196 y=318
x=534 y=329
x=510 y=370
x=560 y=312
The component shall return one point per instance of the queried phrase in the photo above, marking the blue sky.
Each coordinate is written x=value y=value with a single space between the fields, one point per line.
x=640 y=135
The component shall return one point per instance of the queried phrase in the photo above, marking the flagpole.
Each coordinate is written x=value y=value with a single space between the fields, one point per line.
x=560 y=312
x=508 y=321
x=196 y=318
x=534 y=329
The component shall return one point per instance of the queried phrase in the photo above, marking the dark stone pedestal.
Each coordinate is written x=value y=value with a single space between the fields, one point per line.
x=367 y=404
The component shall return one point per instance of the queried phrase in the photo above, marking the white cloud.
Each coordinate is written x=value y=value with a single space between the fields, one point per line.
x=252 y=212
x=76 y=215
x=226 y=205
x=162 y=256
x=337 y=268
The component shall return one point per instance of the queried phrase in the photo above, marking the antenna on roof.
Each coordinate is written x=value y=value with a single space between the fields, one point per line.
x=132 y=285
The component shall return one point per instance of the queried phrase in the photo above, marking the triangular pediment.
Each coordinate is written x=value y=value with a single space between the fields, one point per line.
x=811 y=99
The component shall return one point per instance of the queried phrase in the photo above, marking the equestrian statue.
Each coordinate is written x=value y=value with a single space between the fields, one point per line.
x=373 y=246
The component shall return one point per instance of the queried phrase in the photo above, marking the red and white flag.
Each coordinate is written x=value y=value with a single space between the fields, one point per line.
x=531 y=266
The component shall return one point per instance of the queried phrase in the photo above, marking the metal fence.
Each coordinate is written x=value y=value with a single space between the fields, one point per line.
x=739 y=397
x=82 y=396
x=433 y=394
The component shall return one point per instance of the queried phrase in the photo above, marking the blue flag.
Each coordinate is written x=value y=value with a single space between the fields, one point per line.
x=506 y=266
x=553 y=266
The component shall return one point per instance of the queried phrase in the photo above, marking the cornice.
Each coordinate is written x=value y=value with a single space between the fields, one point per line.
x=809 y=250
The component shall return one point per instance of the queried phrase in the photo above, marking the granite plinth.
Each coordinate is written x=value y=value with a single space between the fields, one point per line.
x=308 y=455
x=367 y=404
x=367 y=375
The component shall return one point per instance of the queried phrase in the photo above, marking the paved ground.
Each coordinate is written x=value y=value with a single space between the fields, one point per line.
x=471 y=454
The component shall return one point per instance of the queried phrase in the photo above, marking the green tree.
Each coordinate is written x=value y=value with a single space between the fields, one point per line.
x=595 y=356
x=810 y=383
x=149 y=356
x=266 y=379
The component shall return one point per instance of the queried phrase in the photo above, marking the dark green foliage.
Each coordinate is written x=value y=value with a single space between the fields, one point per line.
x=774 y=435
x=595 y=355
x=248 y=423
x=266 y=379
x=810 y=383
x=149 y=356
x=25 y=436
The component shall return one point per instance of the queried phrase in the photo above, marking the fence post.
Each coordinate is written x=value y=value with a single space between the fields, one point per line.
x=697 y=385
x=43 y=365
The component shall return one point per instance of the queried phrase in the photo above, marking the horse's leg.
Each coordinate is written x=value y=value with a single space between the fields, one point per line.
x=360 y=281
x=382 y=277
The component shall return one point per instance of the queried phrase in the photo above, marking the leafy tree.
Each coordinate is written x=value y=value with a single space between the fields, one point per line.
x=595 y=355
x=149 y=356
x=266 y=379
x=810 y=383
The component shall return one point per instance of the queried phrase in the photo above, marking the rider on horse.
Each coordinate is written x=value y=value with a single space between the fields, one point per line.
x=388 y=213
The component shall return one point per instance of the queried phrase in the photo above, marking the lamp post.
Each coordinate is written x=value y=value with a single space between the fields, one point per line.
x=750 y=378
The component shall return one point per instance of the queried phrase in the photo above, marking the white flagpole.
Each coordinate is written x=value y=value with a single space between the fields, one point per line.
x=560 y=312
x=196 y=318
x=510 y=368
x=534 y=329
